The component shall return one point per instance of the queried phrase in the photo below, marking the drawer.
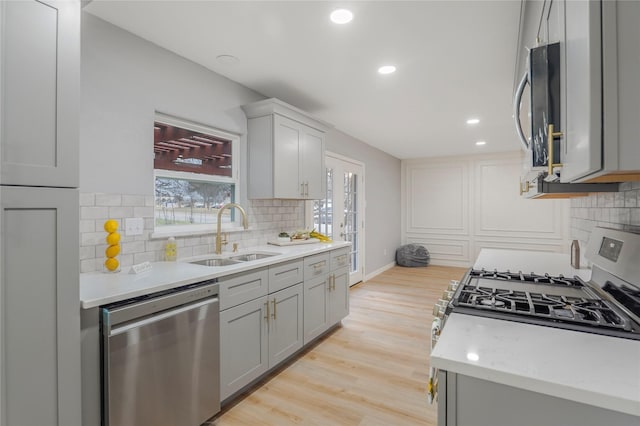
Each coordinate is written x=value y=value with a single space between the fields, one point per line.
x=316 y=265
x=339 y=258
x=239 y=288
x=285 y=274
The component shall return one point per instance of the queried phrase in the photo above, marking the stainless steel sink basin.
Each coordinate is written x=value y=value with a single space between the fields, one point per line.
x=248 y=257
x=216 y=262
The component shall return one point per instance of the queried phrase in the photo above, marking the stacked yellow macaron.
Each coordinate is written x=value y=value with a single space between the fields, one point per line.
x=113 y=241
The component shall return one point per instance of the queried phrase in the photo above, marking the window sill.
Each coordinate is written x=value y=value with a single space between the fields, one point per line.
x=179 y=231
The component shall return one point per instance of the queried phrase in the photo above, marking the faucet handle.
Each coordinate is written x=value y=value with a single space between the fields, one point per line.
x=235 y=247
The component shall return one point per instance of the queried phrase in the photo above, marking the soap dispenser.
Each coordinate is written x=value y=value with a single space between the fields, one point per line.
x=170 y=250
x=575 y=254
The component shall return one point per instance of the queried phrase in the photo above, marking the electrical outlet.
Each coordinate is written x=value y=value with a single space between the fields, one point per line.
x=133 y=226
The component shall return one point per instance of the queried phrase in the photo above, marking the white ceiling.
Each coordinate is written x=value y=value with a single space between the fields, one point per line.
x=455 y=60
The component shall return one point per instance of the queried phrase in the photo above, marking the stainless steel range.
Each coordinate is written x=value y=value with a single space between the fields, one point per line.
x=607 y=304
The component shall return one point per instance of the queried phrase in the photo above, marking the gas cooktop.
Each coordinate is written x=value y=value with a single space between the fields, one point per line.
x=554 y=301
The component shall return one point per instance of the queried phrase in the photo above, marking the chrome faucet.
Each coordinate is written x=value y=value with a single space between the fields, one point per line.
x=245 y=223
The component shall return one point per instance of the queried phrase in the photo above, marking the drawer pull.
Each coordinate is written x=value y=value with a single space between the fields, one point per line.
x=274 y=308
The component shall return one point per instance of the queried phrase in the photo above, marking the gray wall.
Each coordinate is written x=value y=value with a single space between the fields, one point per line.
x=382 y=195
x=125 y=79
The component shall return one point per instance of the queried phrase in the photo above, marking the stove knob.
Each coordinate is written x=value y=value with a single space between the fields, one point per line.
x=447 y=295
x=436 y=310
x=453 y=285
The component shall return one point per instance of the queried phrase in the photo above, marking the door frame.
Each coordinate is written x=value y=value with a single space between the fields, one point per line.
x=361 y=206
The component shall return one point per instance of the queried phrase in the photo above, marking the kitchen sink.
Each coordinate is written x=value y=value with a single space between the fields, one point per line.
x=216 y=262
x=248 y=257
x=233 y=260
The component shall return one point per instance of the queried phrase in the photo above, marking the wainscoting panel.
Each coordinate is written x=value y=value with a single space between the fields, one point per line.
x=456 y=206
x=437 y=195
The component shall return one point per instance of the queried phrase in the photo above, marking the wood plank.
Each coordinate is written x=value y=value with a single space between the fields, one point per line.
x=370 y=371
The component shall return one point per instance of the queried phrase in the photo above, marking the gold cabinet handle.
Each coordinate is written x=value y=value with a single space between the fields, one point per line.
x=550 y=136
x=302 y=189
x=333 y=282
x=267 y=317
x=274 y=308
x=526 y=188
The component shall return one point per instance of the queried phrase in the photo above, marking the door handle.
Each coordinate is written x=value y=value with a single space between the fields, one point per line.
x=274 y=308
x=516 y=109
x=302 y=189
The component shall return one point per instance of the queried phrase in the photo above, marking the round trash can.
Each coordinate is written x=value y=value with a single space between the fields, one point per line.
x=412 y=255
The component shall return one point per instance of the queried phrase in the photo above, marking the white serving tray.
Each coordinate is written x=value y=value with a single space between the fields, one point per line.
x=294 y=242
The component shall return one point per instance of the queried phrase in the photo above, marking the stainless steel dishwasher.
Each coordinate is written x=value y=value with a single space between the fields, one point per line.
x=161 y=358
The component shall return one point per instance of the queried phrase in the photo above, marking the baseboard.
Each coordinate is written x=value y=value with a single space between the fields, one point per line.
x=379 y=271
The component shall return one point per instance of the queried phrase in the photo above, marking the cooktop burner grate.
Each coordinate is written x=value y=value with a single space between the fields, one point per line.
x=530 y=277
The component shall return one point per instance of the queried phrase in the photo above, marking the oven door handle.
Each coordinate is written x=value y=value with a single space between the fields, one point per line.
x=516 y=109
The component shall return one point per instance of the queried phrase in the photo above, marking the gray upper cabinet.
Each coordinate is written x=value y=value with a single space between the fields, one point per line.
x=285 y=152
x=40 y=92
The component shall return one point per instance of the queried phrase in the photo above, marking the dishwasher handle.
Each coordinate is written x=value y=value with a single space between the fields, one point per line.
x=119 y=329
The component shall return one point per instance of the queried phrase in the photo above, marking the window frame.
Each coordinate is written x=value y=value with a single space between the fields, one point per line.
x=201 y=228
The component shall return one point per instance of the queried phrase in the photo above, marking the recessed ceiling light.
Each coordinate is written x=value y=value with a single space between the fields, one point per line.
x=226 y=59
x=473 y=121
x=387 y=69
x=480 y=143
x=341 y=16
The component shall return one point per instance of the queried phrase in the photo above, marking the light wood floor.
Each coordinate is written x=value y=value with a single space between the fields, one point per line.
x=370 y=371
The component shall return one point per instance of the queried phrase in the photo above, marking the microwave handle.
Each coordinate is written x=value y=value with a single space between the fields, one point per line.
x=516 y=109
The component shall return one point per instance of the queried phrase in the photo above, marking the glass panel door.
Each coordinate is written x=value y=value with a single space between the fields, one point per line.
x=341 y=216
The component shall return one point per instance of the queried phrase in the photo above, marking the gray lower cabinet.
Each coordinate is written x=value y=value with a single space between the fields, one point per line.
x=260 y=329
x=469 y=401
x=39 y=92
x=39 y=307
x=285 y=323
x=244 y=340
x=339 y=295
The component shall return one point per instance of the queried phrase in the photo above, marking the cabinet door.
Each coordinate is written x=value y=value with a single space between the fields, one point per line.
x=582 y=107
x=39 y=307
x=312 y=171
x=287 y=136
x=285 y=324
x=40 y=92
x=339 y=296
x=244 y=352
x=316 y=307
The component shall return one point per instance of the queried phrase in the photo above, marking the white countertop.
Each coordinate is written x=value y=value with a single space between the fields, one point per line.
x=99 y=288
x=593 y=369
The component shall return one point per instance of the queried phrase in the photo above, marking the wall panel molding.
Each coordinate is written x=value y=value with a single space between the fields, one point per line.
x=455 y=206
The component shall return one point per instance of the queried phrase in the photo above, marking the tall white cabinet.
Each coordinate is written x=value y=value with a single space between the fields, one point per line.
x=39 y=213
x=286 y=152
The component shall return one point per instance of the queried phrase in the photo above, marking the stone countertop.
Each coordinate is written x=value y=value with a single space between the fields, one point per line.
x=99 y=288
x=598 y=370
x=594 y=369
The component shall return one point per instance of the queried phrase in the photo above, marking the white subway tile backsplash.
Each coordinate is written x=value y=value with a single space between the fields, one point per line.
x=266 y=219
x=620 y=210
x=87 y=200
x=94 y=212
x=120 y=212
x=108 y=200
x=133 y=200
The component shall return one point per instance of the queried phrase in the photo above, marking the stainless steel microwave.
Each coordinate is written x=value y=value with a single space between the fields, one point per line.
x=539 y=92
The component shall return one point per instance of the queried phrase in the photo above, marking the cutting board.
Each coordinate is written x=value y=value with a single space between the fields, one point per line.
x=294 y=242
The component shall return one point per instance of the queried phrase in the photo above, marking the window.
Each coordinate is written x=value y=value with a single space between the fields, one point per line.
x=195 y=172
